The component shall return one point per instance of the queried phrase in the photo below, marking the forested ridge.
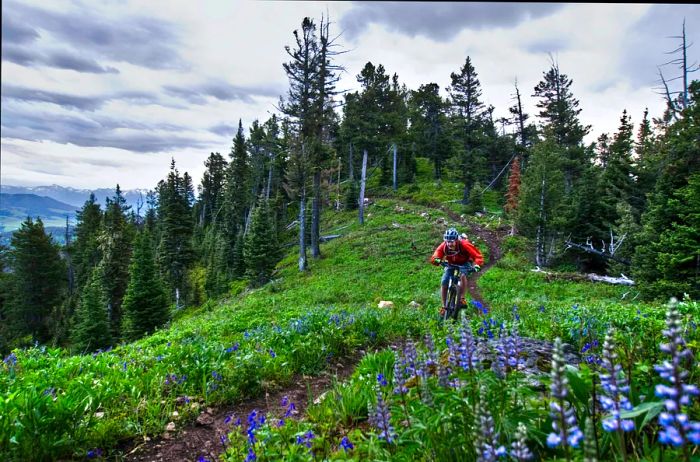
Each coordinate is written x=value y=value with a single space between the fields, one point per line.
x=627 y=204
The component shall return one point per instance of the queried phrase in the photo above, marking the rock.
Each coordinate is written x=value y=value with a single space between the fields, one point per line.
x=205 y=419
x=176 y=414
x=414 y=304
x=396 y=225
x=386 y=304
x=99 y=415
x=170 y=427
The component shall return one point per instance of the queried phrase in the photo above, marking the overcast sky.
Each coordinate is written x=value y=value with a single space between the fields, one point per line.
x=96 y=93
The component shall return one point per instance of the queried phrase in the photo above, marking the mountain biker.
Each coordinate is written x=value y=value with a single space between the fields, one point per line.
x=458 y=252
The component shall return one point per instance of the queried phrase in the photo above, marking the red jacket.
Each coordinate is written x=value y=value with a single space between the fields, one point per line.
x=464 y=252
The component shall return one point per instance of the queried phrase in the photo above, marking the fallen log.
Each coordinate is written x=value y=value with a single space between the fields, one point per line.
x=624 y=280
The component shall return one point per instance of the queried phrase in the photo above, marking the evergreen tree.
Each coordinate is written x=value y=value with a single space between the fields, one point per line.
x=145 y=304
x=85 y=249
x=429 y=130
x=617 y=179
x=211 y=193
x=468 y=113
x=664 y=264
x=5 y=287
x=175 y=254
x=260 y=247
x=237 y=192
x=91 y=329
x=647 y=165
x=540 y=207
x=37 y=283
x=559 y=112
x=238 y=264
x=115 y=245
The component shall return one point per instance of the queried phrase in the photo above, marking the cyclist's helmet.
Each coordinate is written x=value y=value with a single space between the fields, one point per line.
x=451 y=235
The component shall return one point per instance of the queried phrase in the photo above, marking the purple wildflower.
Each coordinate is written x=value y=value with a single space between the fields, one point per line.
x=431 y=359
x=203 y=459
x=486 y=441
x=382 y=419
x=566 y=431
x=346 y=444
x=251 y=455
x=399 y=377
x=615 y=388
x=92 y=453
x=467 y=347
x=381 y=380
x=677 y=430
x=519 y=450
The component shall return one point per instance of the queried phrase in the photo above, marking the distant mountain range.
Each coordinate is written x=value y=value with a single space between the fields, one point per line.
x=52 y=204
x=75 y=197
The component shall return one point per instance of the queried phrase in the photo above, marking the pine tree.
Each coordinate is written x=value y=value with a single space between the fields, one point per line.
x=145 y=304
x=175 y=254
x=37 y=283
x=260 y=250
x=429 y=130
x=559 y=112
x=468 y=114
x=237 y=262
x=115 y=245
x=86 y=251
x=540 y=207
x=664 y=263
x=617 y=180
x=211 y=194
x=91 y=329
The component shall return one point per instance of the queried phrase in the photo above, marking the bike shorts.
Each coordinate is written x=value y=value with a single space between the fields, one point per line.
x=464 y=269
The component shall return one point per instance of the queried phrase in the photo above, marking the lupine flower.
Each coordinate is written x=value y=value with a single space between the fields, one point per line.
x=290 y=410
x=541 y=309
x=92 y=453
x=467 y=347
x=443 y=376
x=285 y=401
x=516 y=315
x=224 y=440
x=431 y=359
x=306 y=439
x=203 y=459
x=677 y=430
x=508 y=352
x=615 y=388
x=519 y=449
x=233 y=348
x=399 y=378
x=382 y=419
x=411 y=358
x=381 y=380
x=486 y=442
x=425 y=394
x=10 y=360
x=346 y=444
x=566 y=431
x=251 y=455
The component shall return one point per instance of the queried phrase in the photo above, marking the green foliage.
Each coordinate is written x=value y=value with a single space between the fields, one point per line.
x=260 y=248
x=146 y=304
x=37 y=282
x=91 y=330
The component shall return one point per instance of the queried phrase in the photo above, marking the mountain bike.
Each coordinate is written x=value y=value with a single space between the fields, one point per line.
x=452 y=301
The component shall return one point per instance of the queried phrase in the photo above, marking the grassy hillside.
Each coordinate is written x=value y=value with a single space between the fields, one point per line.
x=53 y=405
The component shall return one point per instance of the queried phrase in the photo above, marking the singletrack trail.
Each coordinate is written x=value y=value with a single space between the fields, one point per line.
x=492 y=239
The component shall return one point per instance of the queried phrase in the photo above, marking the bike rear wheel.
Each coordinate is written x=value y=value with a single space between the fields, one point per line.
x=451 y=311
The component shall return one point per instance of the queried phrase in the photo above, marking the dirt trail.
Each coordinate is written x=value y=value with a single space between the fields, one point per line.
x=492 y=239
x=203 y=437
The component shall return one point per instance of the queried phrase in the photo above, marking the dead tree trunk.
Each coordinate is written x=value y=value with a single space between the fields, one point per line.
x=316 y=216
x=362 y=187
x=302 y=229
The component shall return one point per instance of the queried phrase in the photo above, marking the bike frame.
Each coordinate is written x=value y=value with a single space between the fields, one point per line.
x=452 y=308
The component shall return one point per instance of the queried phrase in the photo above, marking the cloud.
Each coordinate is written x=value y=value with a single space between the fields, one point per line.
x=440 y=21
x=224 y=130
x=548 y=45
x=14 y=92
x=645 y=54
x=15 y=32
x=97 y=131
x=220 y=90
x=138 y=40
